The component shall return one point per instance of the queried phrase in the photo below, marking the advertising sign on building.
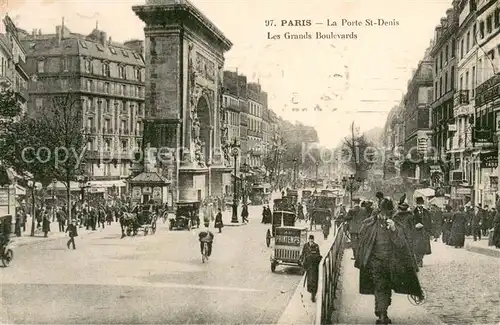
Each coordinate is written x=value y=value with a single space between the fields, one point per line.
x=488 y=91
x=489 y=159
x=482 y=136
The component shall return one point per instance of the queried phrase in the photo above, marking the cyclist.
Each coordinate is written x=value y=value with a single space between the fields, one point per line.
x=206 y=237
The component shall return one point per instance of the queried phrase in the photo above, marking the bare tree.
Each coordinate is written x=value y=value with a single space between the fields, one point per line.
x=358 y=153
x=66 y=140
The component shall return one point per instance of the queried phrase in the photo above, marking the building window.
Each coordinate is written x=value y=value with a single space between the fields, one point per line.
x=105 y=69
x=64 y=84
x=107 y=145
x=123 y=90
x=124 y=145
x=462 y=44
x=481 y=30
x=122 y=72
x=452 y=77
x=112 y=50
x=138 y=74
x=453 y=48
x=461 y=82
x=446 y=54
x=467 y=47
x=41 y=66
x=446 y=83
x=90 y=85
x=489 y=24
x=467 y=85
x=441 y=60
x=106 y=87
x=39 y=103
x=90 y=123
x=473 y=81
x=497 y=17
x=65 y=64
x=88 y=66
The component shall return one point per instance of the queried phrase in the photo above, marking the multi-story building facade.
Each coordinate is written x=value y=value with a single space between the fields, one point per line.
x=108 y=78
x=460 y=158
x=486 y=16
x=257 y=100
x=417 y=120
x=231 y=103
x=445 y=137
x=12 y=59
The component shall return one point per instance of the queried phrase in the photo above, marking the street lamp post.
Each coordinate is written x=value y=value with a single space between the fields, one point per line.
x=235 y=146
x=317 y=170
x=351 y=184
x=294 y=173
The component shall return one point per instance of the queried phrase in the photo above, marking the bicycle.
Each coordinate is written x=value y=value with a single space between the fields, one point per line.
x=204 y=252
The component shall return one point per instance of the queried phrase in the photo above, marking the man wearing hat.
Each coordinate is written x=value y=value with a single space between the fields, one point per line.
x=385 y=261
x=354 y=218
x=72 y=232
x=311 y=257
x=421 y=231
x=405 y=219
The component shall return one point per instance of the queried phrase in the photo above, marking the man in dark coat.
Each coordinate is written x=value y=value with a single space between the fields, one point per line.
x=405 y=219
x=459 y=228
x=72 y=232
x=421 y=231
x=311 y=258
x=385 y=261
x=476 y=222
x=244 y=214
x=354 y=218
x=437 y=222
x=447 y=222
x=218 y=220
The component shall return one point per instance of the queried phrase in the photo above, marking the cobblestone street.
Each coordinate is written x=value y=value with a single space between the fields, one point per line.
x=461 y=286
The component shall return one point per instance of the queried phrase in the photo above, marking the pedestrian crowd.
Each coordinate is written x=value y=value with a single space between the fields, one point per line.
x=389 y=241
x=91 y=215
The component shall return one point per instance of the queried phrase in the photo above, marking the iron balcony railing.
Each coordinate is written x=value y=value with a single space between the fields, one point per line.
x=328 y=278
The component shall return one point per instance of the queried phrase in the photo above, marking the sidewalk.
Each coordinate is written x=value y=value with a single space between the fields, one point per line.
x=226 y=218
x=300 y=309
x=355 y=308
x=481 y=247
x=27 y=240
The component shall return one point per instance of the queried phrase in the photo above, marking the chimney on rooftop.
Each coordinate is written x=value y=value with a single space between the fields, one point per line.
x=109 y=41
x=39 y=32
x=103 y=38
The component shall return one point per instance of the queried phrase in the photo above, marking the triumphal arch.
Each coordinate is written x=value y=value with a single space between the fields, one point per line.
x=184 y=129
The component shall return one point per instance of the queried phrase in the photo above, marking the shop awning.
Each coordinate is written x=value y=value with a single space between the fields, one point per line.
x=105 y=184
x=61 y=186
x=424 y=192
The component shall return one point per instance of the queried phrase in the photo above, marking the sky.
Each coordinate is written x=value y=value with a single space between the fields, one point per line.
x=349 y=80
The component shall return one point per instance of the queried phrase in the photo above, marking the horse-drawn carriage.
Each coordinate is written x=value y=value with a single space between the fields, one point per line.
x=280 y=219
x=143 y=218
x=187 y=216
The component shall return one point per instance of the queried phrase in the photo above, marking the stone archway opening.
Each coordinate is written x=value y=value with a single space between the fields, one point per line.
x=204 y=117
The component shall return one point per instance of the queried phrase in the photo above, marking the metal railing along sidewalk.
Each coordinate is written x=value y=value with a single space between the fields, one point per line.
x=328 y=277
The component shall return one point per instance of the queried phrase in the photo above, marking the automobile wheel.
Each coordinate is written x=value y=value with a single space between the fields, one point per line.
x=7 y=257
